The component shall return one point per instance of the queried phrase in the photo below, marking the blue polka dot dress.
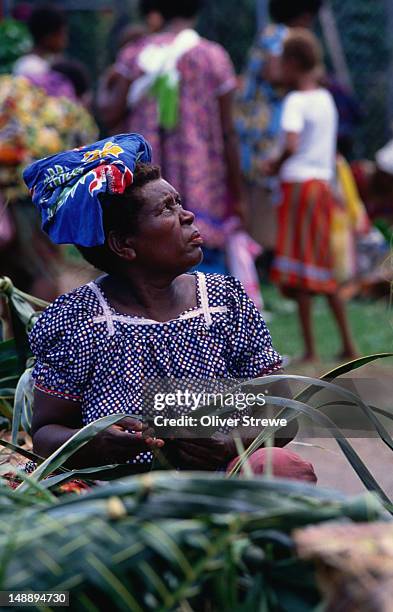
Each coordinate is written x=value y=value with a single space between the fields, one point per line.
x=88 y=353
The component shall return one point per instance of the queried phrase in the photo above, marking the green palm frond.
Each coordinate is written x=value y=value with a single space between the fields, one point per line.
x=154 y=541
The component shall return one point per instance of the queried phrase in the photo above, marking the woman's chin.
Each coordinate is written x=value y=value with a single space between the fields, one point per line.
x=193 y=259
x=198 y=256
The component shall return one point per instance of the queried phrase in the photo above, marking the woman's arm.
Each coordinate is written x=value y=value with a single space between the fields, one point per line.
x=271 y=167
x=231 y=152
x=112 y=97
x=271 y=71
x=56 y=420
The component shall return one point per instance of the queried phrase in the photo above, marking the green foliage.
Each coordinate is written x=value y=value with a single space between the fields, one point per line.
x=14 y=356
x=23 y=405
x=15 y=41
x=231 y=23
x=9 y=373
x=163 y=539
x=364 y=34
x=77 y=441
x=168 y=540
x=89 y=34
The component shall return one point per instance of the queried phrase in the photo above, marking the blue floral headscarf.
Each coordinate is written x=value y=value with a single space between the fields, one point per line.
x=65 y=187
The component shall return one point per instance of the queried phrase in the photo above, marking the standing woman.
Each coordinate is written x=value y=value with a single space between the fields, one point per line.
x=258 y=111
x=176 y=88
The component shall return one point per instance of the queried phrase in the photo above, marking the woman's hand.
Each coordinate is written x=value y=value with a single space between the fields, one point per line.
x=201 y=453
x=270 y=167
x=123 y=441
x=56 y=420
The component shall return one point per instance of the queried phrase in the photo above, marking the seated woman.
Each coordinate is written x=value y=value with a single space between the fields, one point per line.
x=146 y=319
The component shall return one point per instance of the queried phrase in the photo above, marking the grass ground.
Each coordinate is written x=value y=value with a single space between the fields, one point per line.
x=371 y=323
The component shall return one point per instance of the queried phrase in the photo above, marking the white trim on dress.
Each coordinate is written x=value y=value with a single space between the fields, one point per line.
x=204 y=298
x=108 y=317
x=204 y=309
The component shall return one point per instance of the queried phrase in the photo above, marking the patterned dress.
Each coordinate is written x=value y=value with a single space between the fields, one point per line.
x=89 y=353
x=259 y=104
x=191 y=155
x=304 y=256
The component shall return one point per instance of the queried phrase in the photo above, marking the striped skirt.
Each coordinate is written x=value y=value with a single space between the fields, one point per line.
x=303 y=251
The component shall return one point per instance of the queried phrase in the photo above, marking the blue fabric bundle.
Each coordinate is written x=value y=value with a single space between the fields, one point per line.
x=65 y=187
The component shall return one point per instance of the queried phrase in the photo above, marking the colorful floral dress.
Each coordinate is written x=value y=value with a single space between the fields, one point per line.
x=32 y=125
x=191 y=155
x=89 y=353
x=259 y=104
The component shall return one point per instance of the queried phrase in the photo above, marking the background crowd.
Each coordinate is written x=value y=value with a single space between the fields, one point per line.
x=265 y=154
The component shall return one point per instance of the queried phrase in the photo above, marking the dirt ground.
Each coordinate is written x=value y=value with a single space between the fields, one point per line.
x=333 y=469
x=374 y=384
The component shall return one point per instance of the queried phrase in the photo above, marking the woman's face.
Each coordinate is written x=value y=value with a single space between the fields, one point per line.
x=167 y=238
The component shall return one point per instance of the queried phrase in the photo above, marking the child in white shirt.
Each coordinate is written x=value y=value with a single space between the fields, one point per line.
x=303 y=264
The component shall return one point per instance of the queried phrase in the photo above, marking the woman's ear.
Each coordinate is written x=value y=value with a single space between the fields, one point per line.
x=122 y=246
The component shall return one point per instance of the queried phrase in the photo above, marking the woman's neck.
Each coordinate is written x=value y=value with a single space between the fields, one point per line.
x=157 y=297
x=178 y=25
x=307 y=82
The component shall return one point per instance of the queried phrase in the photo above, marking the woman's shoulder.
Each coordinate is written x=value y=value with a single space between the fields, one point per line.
x=224 y=290
x=210 y=50
x=80 y=299
x=67 y=313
